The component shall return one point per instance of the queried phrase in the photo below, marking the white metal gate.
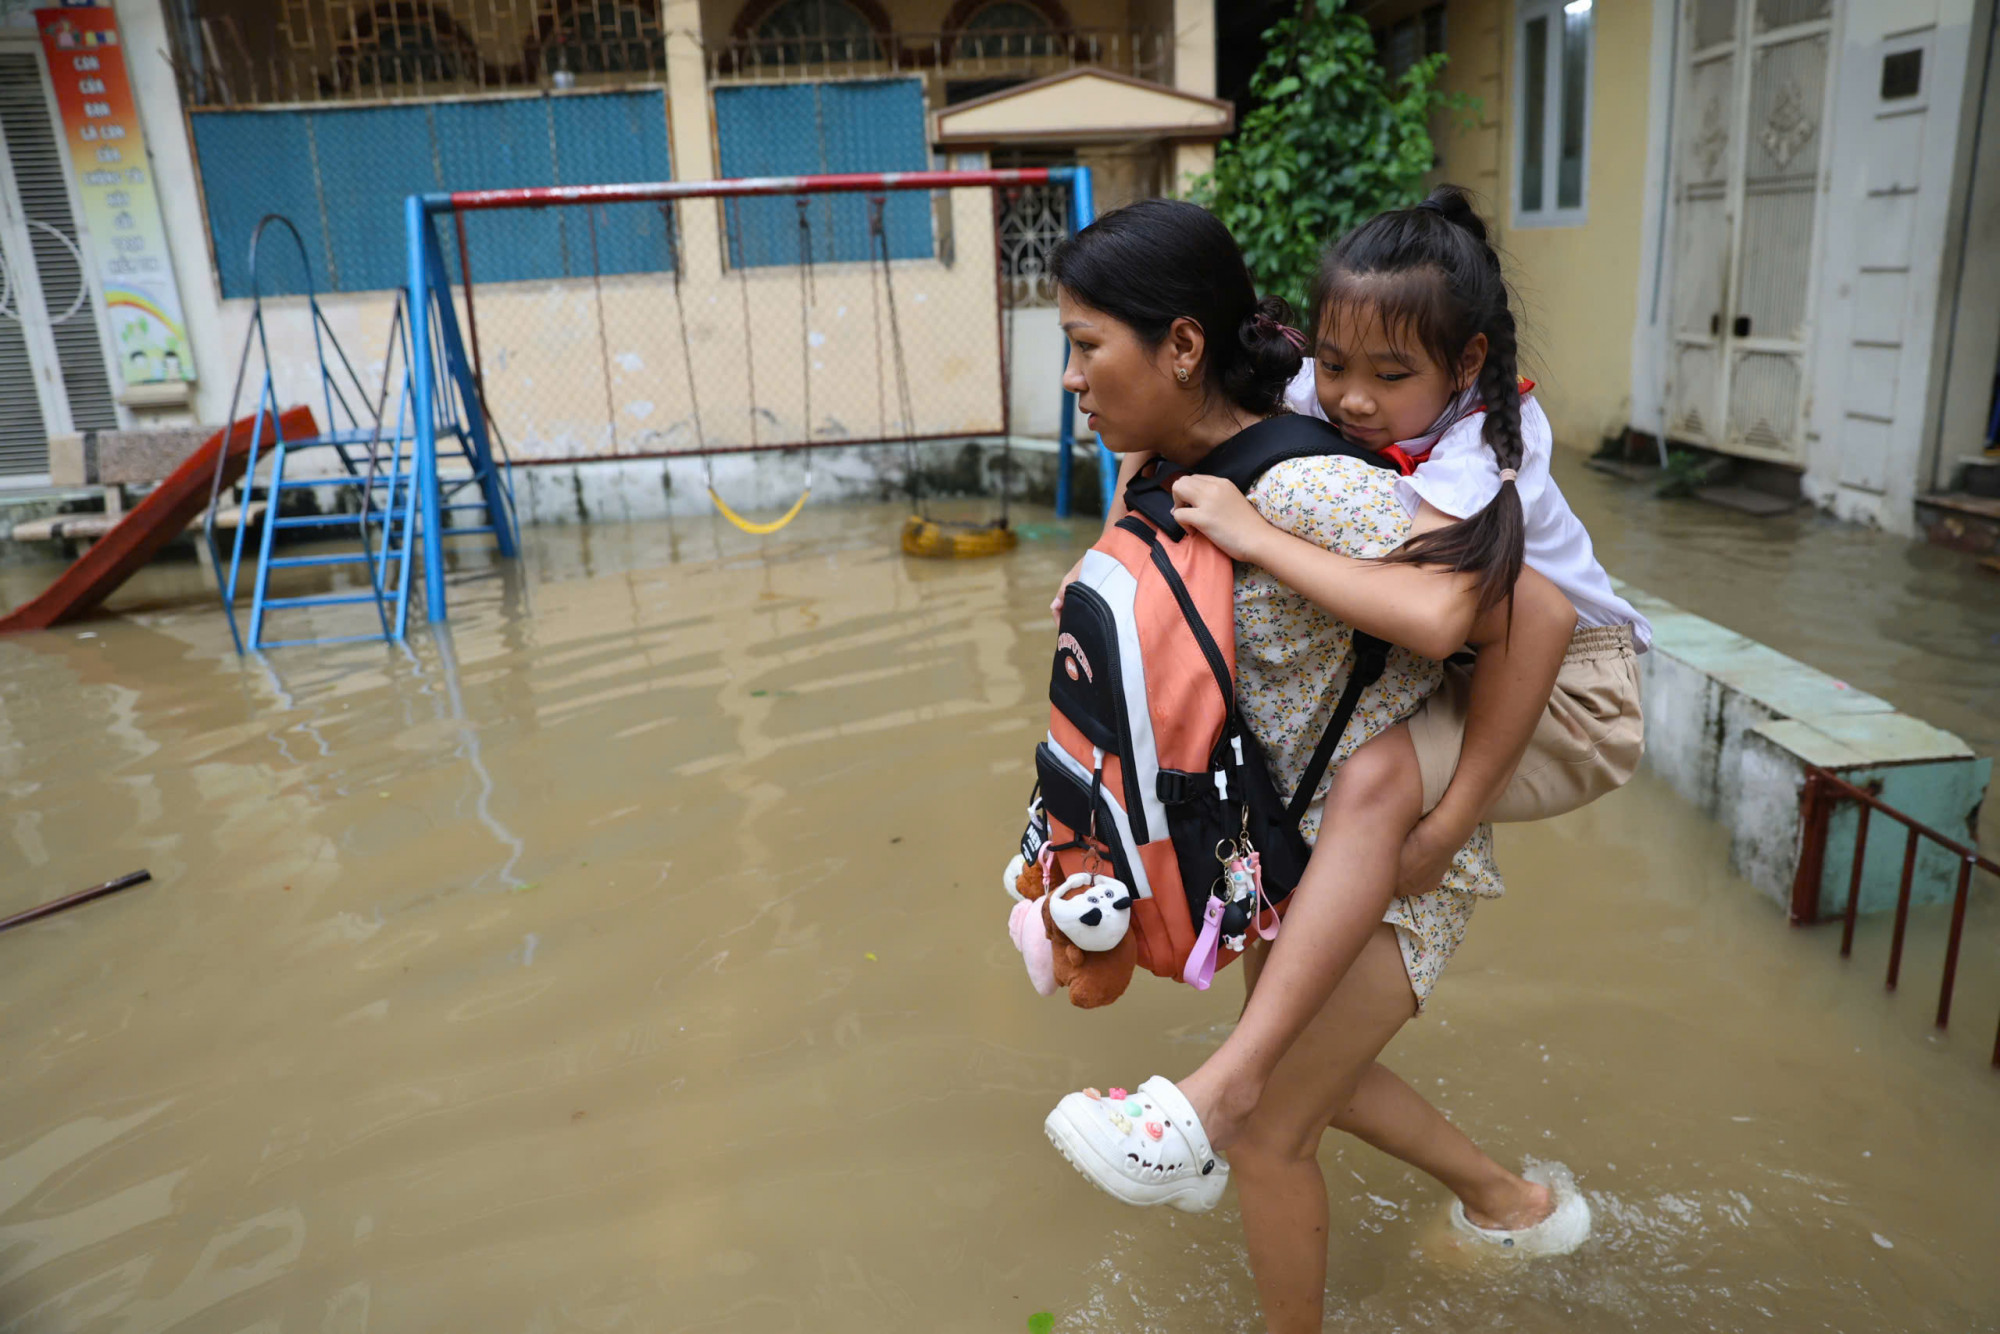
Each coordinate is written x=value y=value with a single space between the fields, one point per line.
x=1749 y=145
x=53 y=377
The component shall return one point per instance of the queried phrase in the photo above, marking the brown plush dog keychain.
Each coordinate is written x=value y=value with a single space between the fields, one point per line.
x=1084 y=942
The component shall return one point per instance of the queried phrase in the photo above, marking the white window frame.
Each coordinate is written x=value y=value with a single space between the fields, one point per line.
x=1526 y=12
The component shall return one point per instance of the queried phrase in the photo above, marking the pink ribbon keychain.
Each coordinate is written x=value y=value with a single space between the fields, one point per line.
x=1262 y=900
x=1200 y=970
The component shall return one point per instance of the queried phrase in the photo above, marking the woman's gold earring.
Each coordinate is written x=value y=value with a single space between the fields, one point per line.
x=1180 y=374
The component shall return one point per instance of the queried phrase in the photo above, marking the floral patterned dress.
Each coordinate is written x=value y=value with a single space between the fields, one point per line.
x=1292 y=661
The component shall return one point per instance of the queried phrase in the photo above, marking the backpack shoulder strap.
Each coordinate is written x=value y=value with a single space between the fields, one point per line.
x=1257 y=449
x=1371 y=655
x=1241 y=460
x=1150 y=494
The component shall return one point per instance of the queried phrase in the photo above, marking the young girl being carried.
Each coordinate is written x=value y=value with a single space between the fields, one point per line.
x=1414 y=354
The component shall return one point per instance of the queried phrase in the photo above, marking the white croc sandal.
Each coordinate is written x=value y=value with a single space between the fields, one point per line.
x=1144 y=1148
x=1566 y=1228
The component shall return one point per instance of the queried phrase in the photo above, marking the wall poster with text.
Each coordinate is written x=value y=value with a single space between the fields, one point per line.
x=114 y=180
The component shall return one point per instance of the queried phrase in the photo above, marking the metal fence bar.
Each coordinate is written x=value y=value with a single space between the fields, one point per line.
x=1816 y=803
x=1951 y=945
x=853 y=182
x=1854 y=885
x=1846 y=789
x=1902 y=909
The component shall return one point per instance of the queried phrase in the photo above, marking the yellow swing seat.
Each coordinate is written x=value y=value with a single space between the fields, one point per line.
x=753 y=526
x=956 y=541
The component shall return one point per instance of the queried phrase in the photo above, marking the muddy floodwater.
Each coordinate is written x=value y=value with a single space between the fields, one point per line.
x=633 y=958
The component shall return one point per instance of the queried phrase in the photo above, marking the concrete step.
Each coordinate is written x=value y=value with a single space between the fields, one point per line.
x=1733 y=724
x=1961 y=520
x=90 y=527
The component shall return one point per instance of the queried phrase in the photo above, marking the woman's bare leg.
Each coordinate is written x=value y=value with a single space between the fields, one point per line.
x=1275 y=1161
x=1331 y=1076
x=1373 y=804
x=1389 y=1115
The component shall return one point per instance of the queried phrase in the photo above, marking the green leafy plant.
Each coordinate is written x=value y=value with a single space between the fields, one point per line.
x=1331 y=141
x=1686 y=472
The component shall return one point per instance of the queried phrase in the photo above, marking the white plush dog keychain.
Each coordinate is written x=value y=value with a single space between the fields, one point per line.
x=1097 y=919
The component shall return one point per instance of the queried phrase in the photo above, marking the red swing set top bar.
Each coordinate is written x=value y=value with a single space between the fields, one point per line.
x=858 y=182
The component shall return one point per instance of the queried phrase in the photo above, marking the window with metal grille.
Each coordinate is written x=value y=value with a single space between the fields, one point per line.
x=39 y=176
x=1402 y=44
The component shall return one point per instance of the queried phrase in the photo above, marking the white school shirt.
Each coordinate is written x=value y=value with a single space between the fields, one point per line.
x=1460 y=477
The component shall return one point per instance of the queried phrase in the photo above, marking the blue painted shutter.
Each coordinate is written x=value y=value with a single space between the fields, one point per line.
x=253 y=163
x=767 y=130
x=603 y=141
x=341 y=174
x=497 y=146
x=879 y=126
x=369 y=159
x=808 y=128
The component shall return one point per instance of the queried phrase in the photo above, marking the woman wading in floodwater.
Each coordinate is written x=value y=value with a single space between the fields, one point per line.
x=1172 y=352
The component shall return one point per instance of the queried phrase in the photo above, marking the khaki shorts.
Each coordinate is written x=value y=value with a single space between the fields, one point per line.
x=1587 y=744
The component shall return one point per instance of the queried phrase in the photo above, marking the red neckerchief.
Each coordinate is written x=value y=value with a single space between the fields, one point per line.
x=1406 y=462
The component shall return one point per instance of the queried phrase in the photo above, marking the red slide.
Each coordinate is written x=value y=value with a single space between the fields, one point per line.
x=150 y=525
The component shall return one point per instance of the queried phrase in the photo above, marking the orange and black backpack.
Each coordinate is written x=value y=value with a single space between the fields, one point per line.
x=1147 y=765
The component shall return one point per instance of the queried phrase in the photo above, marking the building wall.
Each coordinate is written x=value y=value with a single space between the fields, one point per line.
x=718 y=17
x=1898 y=371
x=1576 y=286
x=589 y=370
x=1973 y=282
x=1888 y=218
x=556 y=351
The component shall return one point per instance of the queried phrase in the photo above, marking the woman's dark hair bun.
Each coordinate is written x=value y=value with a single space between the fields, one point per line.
x=1271 y=355
x=1160 y=260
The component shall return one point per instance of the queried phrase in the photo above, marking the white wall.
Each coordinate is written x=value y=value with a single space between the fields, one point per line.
x=1655 y=294
x=1036 y=396
x=1655 y=279
x=144 y=28
x=578 y=371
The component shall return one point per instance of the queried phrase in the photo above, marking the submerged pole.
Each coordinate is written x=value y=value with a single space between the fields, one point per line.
x=77 y=899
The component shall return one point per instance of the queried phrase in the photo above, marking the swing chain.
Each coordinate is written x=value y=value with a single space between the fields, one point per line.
x=807 y=298
x=879 y=243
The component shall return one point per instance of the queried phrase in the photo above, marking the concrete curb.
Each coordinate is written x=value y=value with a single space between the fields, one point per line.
x=1732 y=724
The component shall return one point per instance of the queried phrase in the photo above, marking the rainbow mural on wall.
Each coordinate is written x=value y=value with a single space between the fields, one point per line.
x=114 y=180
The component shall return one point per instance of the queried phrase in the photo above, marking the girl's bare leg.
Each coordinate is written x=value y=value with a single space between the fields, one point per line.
x=1373 y=804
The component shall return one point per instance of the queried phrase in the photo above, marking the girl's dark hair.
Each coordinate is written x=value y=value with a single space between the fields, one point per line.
x=1153 y=262
x=1430 y=270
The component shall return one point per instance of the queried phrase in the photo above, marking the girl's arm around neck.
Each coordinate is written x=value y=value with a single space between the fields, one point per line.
x=1426 y=610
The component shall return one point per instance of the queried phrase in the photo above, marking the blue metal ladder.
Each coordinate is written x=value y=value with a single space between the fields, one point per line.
x=401 y=502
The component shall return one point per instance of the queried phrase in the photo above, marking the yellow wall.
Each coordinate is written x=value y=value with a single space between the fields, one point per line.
x=1577 y=286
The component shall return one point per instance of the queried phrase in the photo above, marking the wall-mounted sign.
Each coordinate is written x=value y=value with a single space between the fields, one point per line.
x=114 y=179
